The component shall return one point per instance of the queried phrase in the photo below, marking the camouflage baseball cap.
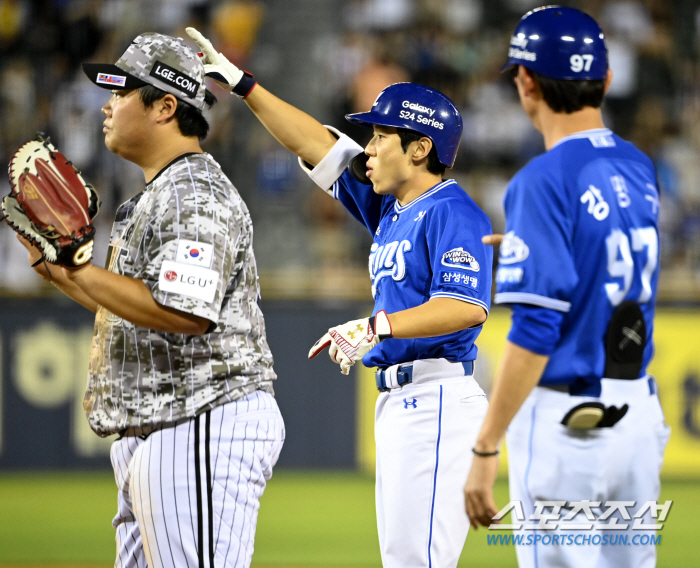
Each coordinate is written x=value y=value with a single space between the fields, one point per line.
x=154 y=59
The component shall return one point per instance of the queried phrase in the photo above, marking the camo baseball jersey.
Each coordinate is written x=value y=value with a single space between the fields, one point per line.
x=188 y=236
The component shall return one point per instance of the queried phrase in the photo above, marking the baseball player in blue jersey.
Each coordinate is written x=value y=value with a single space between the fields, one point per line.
x=578 y=267
x=431 y=284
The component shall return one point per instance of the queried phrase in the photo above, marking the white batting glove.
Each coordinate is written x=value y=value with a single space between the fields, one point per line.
x=350 y=342
x=219 y=68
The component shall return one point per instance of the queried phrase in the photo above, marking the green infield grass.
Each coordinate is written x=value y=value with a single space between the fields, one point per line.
x=307 y=519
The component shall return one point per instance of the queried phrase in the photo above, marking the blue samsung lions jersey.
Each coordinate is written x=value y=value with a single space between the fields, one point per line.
x=428 y=248
x=581 y=238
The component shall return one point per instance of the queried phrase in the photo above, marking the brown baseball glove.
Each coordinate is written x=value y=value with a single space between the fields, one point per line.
x=50 y=204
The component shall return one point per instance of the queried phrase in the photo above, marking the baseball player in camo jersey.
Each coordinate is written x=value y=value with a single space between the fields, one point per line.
x=431 y=282
x=579 y=268
x=180 y=368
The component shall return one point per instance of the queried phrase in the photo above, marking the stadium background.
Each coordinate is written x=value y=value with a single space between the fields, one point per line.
x=328 y=57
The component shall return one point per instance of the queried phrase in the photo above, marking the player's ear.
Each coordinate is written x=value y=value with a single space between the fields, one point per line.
x=422 y=149
x=166 y=108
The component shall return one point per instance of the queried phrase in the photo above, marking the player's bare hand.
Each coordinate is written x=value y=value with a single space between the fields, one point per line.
x=216 y=65
x=349 y=342
x=478 y=491
x=493 y=240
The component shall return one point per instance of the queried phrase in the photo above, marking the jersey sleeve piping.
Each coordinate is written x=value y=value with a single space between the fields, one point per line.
x=333 y=164
x=467 y=299
x=534 y=299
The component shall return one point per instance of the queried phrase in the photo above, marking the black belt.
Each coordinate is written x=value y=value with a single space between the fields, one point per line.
x=576 y=390
x=404 y=375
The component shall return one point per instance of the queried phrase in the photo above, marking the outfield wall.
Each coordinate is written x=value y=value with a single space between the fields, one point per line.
x=44 y=346
x=44 y=350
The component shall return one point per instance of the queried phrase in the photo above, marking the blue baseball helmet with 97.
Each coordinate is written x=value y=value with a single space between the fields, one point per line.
x=421 y=109
x=561 y=43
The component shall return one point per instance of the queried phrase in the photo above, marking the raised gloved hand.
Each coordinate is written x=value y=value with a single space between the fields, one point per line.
x=50 y=204
x=349 y=342
x=219 y=68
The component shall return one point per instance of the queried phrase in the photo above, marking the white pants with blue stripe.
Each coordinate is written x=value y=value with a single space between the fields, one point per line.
x=424 y=434
x=550 y=462
x=189 y=494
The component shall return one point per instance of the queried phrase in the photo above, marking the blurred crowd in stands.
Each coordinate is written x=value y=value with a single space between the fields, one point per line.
x=343 y=58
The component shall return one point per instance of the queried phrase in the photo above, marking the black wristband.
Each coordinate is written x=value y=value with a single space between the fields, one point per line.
x=484 y=454
x=373 y=327
x=245 y=85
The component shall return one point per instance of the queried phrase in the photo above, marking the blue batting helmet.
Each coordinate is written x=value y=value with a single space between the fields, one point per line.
x=561 y=43
x=421 y=109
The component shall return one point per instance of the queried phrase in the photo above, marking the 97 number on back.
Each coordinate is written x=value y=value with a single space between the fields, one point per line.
x=621 y=264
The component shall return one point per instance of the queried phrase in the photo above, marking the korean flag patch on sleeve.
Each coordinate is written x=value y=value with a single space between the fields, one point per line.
x=195 y=253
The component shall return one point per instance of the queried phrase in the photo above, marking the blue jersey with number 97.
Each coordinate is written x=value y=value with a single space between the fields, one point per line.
x=581 y=238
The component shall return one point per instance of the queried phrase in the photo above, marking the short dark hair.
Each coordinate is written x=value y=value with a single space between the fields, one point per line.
x=407 y=136
x=562 y=95
x=189 y=119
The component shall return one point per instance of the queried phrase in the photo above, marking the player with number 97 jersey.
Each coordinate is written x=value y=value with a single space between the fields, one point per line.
x=578 y=266
x=581 y=237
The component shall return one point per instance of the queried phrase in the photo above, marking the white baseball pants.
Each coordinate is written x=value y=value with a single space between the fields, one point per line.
x=189 y=494
x=424 y=434
x=548 y=461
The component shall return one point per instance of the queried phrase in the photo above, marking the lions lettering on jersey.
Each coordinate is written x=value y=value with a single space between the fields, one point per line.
x=388 y=260
x=428 y=248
